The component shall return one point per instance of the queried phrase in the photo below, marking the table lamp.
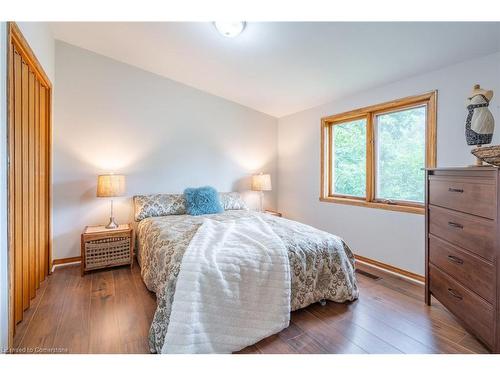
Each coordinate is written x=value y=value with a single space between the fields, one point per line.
x=109 y=186
x=261 y=182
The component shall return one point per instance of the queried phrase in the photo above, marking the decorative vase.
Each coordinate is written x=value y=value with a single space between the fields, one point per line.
x=479 y=124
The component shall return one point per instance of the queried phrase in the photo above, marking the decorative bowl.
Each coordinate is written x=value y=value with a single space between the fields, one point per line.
x=490 y=154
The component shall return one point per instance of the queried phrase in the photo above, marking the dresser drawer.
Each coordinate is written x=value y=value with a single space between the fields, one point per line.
x=470 y=232
x=476 y=197
x=466 y=305
x=472 y=271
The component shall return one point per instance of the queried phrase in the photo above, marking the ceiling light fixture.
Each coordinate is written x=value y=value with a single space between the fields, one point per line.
x=230 y=29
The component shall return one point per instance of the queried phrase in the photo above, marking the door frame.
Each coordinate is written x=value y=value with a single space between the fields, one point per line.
x=14 y=36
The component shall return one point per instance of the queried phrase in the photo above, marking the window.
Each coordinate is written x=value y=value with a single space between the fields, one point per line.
x=349 y=158
x=375 y=156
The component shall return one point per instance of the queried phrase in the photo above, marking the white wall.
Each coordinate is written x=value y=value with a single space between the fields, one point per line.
x=163 y=135
x=40 y=40
x=390 y=237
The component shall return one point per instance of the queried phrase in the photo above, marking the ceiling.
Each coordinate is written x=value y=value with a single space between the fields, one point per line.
x=284 y=67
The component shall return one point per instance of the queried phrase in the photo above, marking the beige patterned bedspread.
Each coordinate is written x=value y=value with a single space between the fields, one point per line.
x=322 y=265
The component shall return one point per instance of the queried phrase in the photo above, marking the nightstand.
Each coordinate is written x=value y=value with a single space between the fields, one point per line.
x=274 y=213
x=103 y=248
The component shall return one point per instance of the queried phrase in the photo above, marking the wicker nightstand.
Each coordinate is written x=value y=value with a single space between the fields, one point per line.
x=103 y=248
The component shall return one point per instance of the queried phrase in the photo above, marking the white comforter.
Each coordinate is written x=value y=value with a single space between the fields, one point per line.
x=233 y=288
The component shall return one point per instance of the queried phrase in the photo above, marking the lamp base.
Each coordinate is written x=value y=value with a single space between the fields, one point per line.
x=112 y=223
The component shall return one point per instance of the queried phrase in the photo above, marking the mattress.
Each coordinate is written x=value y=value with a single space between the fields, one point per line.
x=321 y=264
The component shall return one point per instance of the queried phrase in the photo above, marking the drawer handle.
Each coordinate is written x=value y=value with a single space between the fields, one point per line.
x=455 y=294
x=455 y=259
x=453 y=190
x=455 y=225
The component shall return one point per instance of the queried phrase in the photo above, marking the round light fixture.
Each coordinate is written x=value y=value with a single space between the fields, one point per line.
x=230 y=29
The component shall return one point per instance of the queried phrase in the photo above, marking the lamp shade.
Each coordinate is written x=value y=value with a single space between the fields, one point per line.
x=110 y=185
x=261 y=182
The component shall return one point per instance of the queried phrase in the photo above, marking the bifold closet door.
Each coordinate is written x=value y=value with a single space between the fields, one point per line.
x=29 y=175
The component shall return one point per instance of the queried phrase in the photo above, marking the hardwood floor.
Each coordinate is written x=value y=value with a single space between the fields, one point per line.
x=110 y=312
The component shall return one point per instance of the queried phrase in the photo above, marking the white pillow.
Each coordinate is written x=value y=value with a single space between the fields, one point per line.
x=232 y=201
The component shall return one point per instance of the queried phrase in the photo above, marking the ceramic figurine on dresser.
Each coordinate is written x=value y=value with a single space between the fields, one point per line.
x=479 y=124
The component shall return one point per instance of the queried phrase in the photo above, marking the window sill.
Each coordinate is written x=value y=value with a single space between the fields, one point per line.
x=383 y=206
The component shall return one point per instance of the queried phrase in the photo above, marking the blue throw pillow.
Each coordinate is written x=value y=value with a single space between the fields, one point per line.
x=202 y=201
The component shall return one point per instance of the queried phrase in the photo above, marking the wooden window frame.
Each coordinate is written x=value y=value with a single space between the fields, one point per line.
x=369 y=113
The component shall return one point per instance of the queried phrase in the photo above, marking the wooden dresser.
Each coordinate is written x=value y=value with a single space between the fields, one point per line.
x=463 y=247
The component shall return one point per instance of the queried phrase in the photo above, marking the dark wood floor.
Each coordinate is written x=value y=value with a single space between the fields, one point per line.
x=110 y=312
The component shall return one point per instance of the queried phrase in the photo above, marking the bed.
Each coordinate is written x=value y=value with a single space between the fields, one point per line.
x=321 y=264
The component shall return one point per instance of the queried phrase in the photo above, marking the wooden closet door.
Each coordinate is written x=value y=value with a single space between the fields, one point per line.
x=29 y=176
x=31 y=222
x=44 y=185
x=36 y=187
x=16 y=185
x=25 y=178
